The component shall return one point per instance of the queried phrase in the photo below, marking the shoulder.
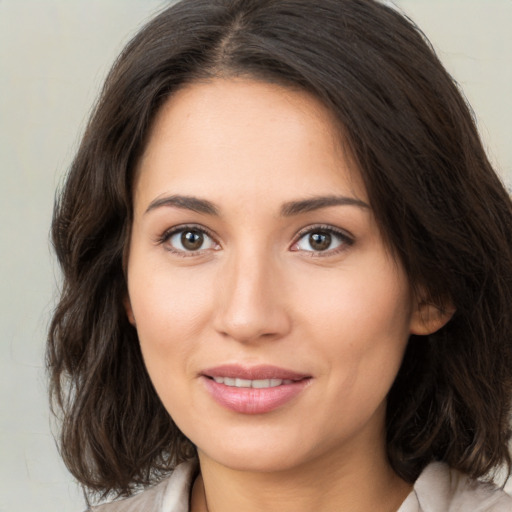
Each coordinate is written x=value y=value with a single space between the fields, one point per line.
x=441 y=489
x=171 y=495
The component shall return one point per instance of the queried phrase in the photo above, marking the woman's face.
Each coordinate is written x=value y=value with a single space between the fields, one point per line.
x=271 y=315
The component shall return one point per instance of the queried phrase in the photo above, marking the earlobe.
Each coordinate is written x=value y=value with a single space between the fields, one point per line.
x=129 y=311
x=429 y=318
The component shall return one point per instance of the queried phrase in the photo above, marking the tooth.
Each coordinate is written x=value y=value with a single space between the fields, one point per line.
x=229 y=381
x=246 y=383
x=261 y=383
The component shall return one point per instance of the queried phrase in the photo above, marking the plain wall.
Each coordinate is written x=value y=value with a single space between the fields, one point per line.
x=53 y=57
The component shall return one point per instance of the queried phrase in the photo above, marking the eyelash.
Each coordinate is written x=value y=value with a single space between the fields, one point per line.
x=167 y=235
x=346 y=240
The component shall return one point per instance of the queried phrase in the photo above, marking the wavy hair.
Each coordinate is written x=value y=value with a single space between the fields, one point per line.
x=439 y=204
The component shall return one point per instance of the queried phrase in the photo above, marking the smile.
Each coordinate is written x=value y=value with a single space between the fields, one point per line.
x=253 y=390
x=246 y=383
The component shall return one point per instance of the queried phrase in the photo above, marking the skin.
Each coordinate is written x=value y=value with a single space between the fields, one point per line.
x=256 y=293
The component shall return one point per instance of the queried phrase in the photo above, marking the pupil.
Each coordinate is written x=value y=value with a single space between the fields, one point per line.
x=192 y=240
x=320 y=241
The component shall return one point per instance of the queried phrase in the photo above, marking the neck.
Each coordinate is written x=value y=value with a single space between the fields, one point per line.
x=338 y=481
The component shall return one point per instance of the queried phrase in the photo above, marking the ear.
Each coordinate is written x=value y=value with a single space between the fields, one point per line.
x=428 y=318
x=129 y=311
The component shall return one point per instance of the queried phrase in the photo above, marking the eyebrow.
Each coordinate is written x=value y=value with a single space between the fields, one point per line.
x=287 y=210
x=185 y=202
x=316 y=203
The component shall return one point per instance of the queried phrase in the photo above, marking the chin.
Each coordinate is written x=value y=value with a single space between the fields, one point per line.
x=253 y=450
x=255 y=460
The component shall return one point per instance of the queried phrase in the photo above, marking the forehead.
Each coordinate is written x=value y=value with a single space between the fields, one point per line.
x=258 y=137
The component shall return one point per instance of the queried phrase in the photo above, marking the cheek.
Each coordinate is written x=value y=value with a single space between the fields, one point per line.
x=168 y=322
x=169 y=310
x=166 y=302
x=369 y=296
x=361 y=333
x=360 y=321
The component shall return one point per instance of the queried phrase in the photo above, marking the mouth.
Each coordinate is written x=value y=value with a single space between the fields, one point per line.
x=246 y=383
x=253 y=390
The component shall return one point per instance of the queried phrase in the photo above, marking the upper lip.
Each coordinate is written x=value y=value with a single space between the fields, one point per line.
x=259 y=372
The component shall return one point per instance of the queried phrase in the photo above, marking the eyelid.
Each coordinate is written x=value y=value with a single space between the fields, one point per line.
x=168 y=233
x=347 y=239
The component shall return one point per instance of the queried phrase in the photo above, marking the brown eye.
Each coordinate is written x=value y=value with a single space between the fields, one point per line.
x=188 y=240
x=320 y=241
x=323 y=240
x=192 y=240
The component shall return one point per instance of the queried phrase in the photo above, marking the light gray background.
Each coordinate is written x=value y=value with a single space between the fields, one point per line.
x=53 y=57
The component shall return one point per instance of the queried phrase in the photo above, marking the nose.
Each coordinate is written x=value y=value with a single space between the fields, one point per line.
x=251 y=300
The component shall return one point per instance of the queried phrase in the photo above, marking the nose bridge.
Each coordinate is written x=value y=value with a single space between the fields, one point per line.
x=251 y=302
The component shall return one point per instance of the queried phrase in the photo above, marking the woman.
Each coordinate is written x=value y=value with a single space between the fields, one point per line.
x=287 y=271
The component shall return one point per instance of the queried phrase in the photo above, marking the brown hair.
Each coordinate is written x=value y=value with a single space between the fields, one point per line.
x=440 y=206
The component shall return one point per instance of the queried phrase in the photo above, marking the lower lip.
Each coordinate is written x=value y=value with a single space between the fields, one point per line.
x=254 y=400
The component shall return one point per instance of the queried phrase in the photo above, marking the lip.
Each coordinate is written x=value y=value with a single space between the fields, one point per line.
x=253 y=372
x=253 y=400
